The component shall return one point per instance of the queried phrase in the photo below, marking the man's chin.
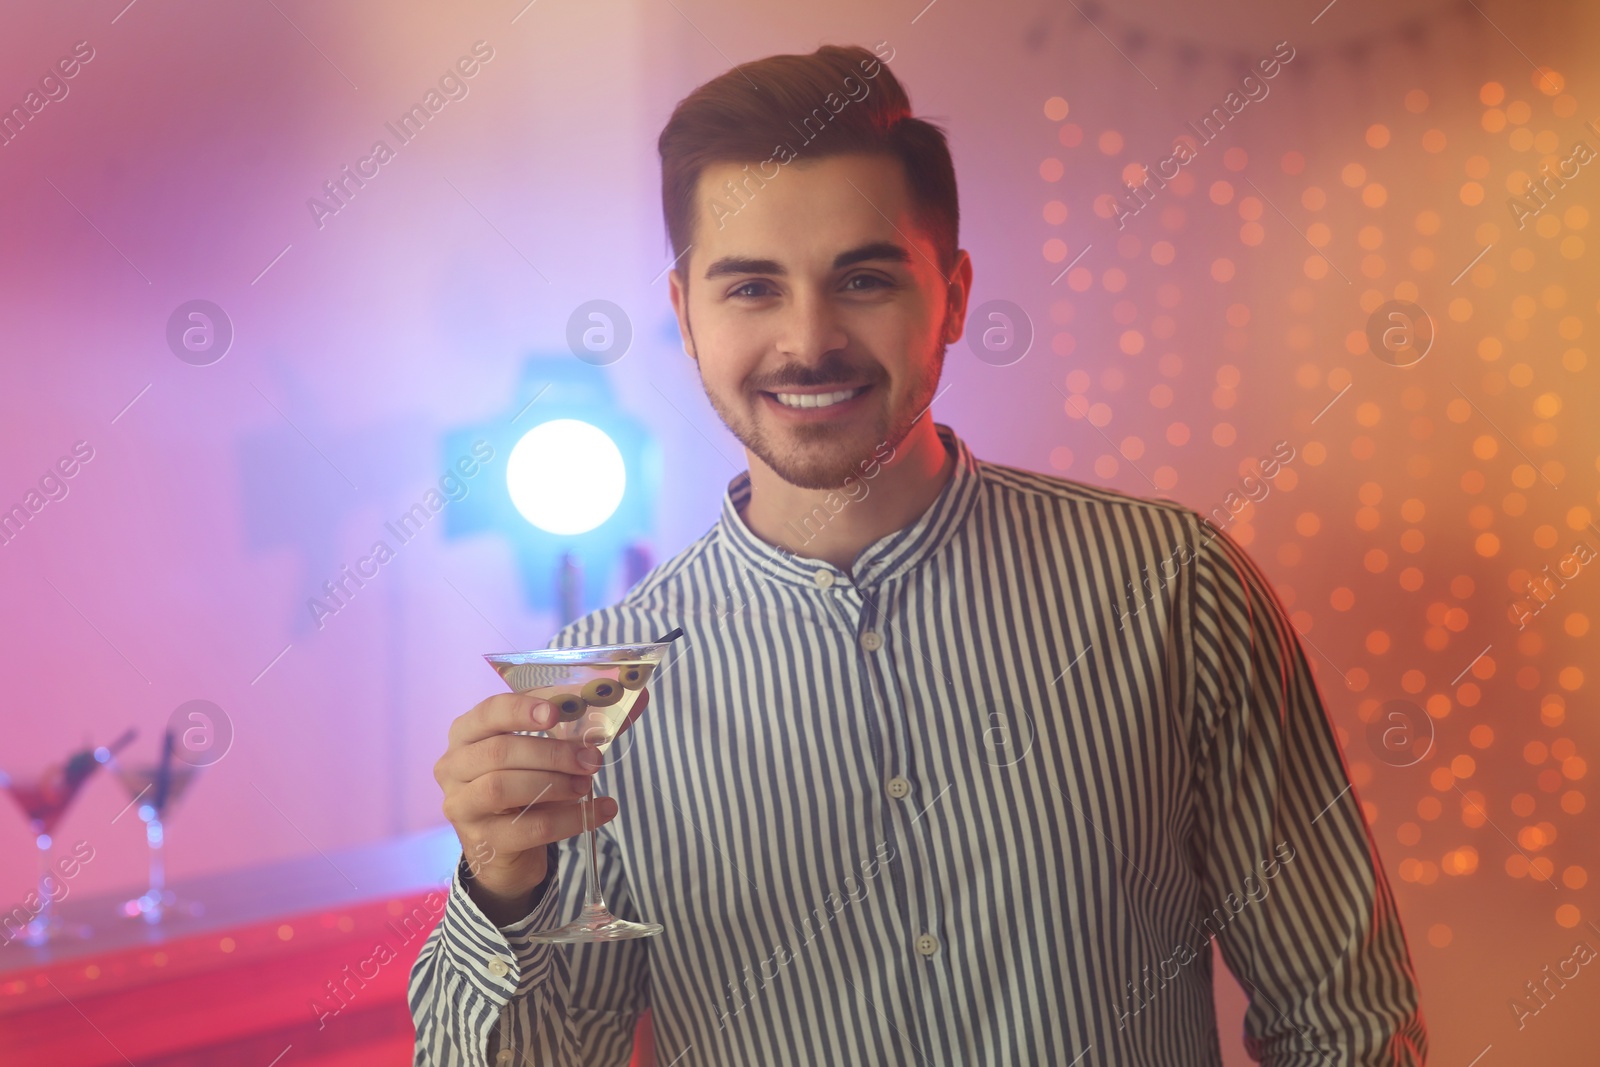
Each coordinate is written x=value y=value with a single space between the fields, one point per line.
x=813 y=478
x=816 y=459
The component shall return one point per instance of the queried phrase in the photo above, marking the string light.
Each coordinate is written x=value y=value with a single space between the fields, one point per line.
x=1443 y=489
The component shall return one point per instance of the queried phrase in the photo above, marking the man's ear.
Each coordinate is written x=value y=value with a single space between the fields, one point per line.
x=679 y=289
x=958 y=289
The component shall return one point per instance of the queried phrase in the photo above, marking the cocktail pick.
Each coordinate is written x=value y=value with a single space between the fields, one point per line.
x=163 y=774
x=84 y=763
x=122 y=742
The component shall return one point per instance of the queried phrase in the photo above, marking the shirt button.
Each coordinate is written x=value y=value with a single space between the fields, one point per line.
x=872 y=640
x=823 y=578
x=503 y=1057
x=927 y=944
x=898 y=787
x=498 y=967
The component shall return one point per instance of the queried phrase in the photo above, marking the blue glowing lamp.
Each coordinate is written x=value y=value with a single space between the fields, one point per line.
x=566 y=476
x=572 y=475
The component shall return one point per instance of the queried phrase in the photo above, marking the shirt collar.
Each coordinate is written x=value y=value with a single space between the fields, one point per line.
x=887 y=557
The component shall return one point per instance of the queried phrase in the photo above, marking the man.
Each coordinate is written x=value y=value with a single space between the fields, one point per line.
x=924 y=782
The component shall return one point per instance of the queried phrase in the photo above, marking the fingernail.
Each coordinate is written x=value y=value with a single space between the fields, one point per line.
x=590 y=758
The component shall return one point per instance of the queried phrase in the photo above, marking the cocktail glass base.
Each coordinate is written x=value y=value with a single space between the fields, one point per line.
x=596 y=924
x=53 y=929
x=152 y=907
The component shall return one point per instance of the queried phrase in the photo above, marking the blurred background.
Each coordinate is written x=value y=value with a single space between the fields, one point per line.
x=231 y=370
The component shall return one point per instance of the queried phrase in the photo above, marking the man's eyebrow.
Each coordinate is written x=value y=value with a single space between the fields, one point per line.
x=742 y=265
x=877 y=250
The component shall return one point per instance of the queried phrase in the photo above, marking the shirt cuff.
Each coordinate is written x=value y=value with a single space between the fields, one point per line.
x=533 y=958
x=499 y=962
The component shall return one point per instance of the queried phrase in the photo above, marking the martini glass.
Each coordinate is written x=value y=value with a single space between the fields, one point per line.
x=45 y=798
x=594 y=689
x=156 y=787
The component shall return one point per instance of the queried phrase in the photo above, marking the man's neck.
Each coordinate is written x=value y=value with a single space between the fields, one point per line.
x=830 y=524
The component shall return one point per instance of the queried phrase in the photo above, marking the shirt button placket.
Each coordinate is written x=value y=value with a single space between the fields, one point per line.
x=921 y=899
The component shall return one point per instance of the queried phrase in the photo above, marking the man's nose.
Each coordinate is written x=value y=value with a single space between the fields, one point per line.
x=811 y=328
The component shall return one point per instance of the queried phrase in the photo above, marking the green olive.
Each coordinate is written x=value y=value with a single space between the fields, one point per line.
x=568 y=705
x=636 y=676
x=602 y=693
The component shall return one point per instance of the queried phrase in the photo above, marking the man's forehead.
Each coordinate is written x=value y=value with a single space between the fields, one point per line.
x=809 y=214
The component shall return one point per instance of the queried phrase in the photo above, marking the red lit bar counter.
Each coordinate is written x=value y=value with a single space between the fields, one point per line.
x=301 y=963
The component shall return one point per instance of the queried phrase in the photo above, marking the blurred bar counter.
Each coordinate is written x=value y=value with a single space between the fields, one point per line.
x=284 y=967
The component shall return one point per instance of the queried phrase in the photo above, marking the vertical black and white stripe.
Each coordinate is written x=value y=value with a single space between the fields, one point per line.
x=978 y=803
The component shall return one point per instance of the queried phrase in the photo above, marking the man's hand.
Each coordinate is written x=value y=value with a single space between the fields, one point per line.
x=509 y=796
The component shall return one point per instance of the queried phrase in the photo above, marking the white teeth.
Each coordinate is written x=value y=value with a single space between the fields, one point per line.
x=815 y=400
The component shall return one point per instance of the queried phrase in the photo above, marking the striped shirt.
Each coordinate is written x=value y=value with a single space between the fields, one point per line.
x=986 y=798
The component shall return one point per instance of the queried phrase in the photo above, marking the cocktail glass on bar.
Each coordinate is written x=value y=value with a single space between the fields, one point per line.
x=156 y=787
x=593 y=690
x=45 y=798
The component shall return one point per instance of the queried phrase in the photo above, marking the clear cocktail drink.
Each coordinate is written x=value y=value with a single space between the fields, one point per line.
x=594 y=692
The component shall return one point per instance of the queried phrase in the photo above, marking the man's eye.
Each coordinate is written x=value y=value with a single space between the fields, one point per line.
x=752 y=289
x=872 y=282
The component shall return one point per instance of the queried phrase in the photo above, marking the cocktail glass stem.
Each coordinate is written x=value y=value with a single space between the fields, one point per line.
x=39 y=929
x=594 y=907
x=155 y=837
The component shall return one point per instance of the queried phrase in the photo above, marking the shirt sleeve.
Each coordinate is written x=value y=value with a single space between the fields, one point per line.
x=1291 y=885
x=469 y=971
x=482 y=994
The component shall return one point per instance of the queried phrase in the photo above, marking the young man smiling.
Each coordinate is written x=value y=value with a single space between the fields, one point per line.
x=935 y=684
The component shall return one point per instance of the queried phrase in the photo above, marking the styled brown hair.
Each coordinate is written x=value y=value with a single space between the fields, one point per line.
x=803 y=107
